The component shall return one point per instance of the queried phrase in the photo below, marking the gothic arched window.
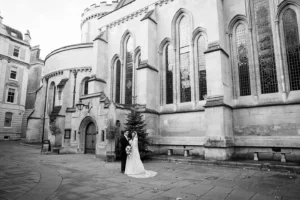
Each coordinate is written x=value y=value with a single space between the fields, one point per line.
x=242 y=60
x=118 y=81
x=85 y=85
x=51 y=97
x=201 y=47
x=169 y=67
x=184 y=59
x=129 y=70
x=137 y=65
x=265 y=46
x=292 y=46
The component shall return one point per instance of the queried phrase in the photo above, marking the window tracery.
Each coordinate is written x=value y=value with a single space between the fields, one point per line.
x=242 y=60
x=184 y=59
x=169 y=67
x=292 y=46
x=265 y=47
x=129 y=70
x=118 y=81
x=201 y=47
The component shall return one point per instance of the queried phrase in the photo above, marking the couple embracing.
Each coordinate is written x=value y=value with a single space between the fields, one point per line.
x=131 y=163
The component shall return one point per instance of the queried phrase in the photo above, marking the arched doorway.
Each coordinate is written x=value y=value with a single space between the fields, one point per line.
x=90 y=138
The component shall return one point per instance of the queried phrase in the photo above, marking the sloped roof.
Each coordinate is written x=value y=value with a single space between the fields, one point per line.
x=63 y=82
x=123 y=3
x=12 y=30
x=149 y=16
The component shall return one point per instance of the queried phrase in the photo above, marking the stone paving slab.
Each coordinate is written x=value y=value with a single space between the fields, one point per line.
x=28 y=175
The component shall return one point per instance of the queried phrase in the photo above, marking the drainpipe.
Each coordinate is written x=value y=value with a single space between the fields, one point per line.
x=45 y=104
x=74 y=92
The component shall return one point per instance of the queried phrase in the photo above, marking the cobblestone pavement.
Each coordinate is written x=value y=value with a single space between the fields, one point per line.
x=27 y=175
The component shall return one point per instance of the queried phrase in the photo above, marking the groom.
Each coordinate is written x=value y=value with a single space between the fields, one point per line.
x=124 y=143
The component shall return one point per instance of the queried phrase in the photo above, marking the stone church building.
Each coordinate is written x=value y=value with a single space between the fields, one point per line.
x=219 y=76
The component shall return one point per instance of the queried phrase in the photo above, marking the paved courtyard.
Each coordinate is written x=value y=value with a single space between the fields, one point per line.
x=25 y=174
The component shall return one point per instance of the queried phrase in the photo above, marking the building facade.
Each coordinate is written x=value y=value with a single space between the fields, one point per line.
x=14 y=66
x=222 y=77
x=16 y=76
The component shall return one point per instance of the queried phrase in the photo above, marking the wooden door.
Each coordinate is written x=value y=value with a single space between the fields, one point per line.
x=90 y=139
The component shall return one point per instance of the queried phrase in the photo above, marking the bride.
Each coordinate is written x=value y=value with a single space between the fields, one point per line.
x=134 y=165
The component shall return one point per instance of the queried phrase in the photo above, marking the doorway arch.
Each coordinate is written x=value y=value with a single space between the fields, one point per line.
x=88 y=131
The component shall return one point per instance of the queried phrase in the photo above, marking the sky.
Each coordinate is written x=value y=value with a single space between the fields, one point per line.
x=51 y=23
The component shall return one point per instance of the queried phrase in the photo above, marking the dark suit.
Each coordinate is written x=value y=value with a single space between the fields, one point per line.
x=123 y=143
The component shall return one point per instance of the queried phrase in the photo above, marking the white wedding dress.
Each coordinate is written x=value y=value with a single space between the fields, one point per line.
x=134 y=165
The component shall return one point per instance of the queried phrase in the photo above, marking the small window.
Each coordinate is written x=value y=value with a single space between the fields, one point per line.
x=59 y=92
x=8 y=119
x=13 y=74
x=75 y=135
x=67 y=133
x=16 y=51
x=11 y=95
x=13 y=34
x=86 y=88
x=102 y=136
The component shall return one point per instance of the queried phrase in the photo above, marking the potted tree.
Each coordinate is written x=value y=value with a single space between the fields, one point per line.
x=111 y=132
x=55 y=130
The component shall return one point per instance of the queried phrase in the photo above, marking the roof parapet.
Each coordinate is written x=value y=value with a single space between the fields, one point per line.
x=109 y=4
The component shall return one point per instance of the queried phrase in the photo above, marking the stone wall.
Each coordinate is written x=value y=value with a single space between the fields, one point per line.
x=278 y=123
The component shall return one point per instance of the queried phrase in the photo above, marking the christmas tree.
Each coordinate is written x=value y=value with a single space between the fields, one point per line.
x=135 y=122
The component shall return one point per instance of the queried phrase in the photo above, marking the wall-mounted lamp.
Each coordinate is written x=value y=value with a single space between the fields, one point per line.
x=80 y=105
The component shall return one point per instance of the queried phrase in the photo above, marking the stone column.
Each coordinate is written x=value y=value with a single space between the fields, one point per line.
x=99 y=77
x=147 y=73
x=218 y=112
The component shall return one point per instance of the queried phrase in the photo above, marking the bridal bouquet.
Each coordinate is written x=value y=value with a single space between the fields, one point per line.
x=128 y=150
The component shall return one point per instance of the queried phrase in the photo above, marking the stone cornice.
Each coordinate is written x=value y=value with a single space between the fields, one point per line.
x=145 y=65
x=128 y=17
x=135 y=13
x=68 y=48
x=215 y=46
x=216 y=101
x=80 y=69
x=61 y=71
x=16 y=40
x=13 y=84
x=90 y=96
x=93 y=78
x=296 y=102
x=37 y=62
x=93 y=16
x=9 y=59
x=53 y=74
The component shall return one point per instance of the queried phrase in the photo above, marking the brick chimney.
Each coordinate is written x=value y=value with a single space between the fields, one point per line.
x=27 y=37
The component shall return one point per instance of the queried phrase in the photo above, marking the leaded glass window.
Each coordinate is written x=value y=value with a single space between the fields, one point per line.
x=291 y=36
x=129 y=71
x=118 y=81
x=169 y=74
x=266 y=56
x=184 y=57
x=201 y=47
x=242 y=60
